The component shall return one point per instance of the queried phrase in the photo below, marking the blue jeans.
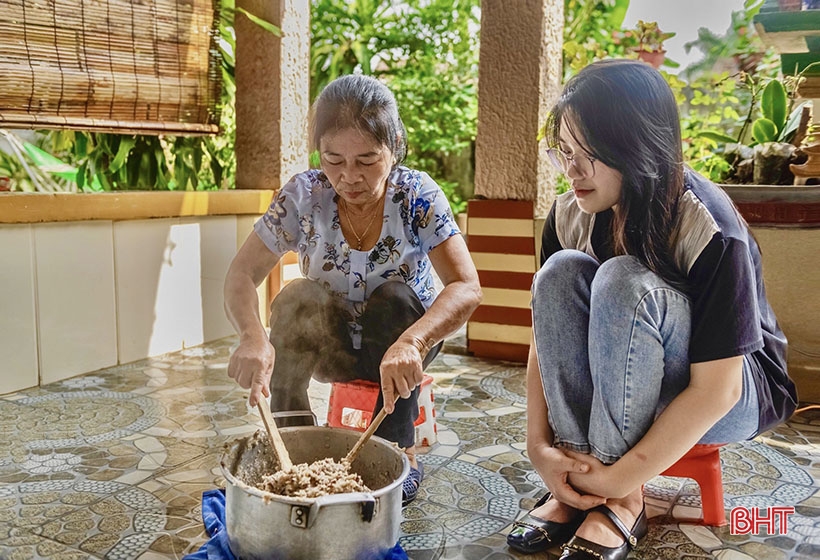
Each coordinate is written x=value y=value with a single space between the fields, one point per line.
x=612 y=341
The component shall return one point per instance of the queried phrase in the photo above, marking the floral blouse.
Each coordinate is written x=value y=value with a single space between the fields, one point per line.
x=304 y=218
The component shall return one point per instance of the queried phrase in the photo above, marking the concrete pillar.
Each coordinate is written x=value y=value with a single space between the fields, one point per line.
x=272 y=99
x=519 y=78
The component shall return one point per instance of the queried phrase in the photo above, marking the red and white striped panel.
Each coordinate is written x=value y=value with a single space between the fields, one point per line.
x=501 y=239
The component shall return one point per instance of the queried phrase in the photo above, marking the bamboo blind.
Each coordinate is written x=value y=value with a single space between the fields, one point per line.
x=126 y=66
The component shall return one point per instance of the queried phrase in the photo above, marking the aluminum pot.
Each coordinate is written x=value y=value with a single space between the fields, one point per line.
x=354 y=526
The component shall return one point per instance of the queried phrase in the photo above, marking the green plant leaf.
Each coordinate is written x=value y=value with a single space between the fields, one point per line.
x=81 y=177
x=774 y=103
x=718 y=137
x=162 y=179
x=790 y=128
x=126 y=145
x=617 y=14
x=106 y=184
x=145 y=172
x=266 y=25
x=50 y=164
x=80 y=145
x=669 y=63
x=133 y=171
x=764 y=130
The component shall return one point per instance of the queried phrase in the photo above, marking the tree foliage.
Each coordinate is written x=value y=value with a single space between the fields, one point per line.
x=426 y=51
x=94 y=161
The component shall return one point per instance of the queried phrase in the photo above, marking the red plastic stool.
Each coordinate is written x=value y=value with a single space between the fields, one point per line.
x=702 y=463
x=351 y=406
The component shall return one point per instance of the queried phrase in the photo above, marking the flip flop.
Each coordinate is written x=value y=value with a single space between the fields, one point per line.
x=410 y=486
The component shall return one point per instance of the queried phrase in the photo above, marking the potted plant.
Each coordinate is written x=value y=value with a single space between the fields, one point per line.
x=767 y=147
x=645 y=41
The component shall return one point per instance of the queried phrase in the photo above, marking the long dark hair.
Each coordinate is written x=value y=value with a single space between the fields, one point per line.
x=360 y=102
x=628 y=118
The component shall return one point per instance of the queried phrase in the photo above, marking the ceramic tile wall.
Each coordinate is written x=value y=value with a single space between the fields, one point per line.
x=218 y=240
x=111 y=292
x=244 y=227
x=75 y=298
x=158 y=286
x=18 y=326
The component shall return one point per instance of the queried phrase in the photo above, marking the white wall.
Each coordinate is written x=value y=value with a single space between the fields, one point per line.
x=18 y=323
x=81 y=296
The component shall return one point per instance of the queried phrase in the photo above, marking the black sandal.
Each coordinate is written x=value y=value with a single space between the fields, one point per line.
x=532 y=534
x=579 y=548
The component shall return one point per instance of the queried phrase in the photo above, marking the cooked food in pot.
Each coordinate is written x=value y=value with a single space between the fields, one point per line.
x=260 y=469
x=319 y=478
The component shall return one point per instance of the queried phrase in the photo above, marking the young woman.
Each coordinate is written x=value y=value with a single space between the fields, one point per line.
x=652 y=331
x=368 y=233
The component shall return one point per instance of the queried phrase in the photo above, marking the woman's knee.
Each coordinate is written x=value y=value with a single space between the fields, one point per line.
x=563 y=266
x=392 y=291
x=393 y=303
x=298 y=291
x=625 y=278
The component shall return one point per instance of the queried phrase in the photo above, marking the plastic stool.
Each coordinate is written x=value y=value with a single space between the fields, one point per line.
x=426 y=429
x=351 y=406
x=702 y=463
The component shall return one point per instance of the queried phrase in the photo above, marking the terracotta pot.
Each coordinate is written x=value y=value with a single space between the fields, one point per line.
x=654 y=58
x=790 y=5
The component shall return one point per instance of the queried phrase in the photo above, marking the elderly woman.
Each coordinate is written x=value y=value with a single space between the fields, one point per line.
x=369 y=234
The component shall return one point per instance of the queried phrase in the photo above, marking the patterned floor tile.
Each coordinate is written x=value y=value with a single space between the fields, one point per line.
x=113 y=464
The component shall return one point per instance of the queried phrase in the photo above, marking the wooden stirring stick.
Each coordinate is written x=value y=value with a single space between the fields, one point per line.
x=366 y=435
x=274 y=435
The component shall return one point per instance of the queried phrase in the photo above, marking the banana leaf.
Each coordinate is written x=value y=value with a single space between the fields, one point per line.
x=56 y=167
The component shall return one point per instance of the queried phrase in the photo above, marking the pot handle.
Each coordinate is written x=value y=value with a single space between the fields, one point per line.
x=304 y=517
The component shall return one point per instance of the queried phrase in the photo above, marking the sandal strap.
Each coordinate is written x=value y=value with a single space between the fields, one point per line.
x=630 y=538
x=541 y=501
x=590 y=548
x=534 y=528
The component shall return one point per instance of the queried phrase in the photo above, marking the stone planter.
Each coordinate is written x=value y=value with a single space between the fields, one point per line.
x=786 y=223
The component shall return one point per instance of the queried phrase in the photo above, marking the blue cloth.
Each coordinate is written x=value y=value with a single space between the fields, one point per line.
x=213 y=517
x=217 y=548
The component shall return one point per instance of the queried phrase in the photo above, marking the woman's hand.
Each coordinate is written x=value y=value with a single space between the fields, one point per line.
x=251 y=365
x=599 y=479
x=401 y=371
x=556 y=467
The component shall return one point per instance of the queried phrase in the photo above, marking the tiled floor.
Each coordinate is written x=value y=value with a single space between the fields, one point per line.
x=113 y=464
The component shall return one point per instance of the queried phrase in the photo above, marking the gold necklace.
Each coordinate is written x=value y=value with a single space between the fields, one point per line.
x=360 y=238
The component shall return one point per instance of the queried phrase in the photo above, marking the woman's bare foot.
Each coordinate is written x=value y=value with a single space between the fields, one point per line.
x=411 y=456
x=597 y=527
